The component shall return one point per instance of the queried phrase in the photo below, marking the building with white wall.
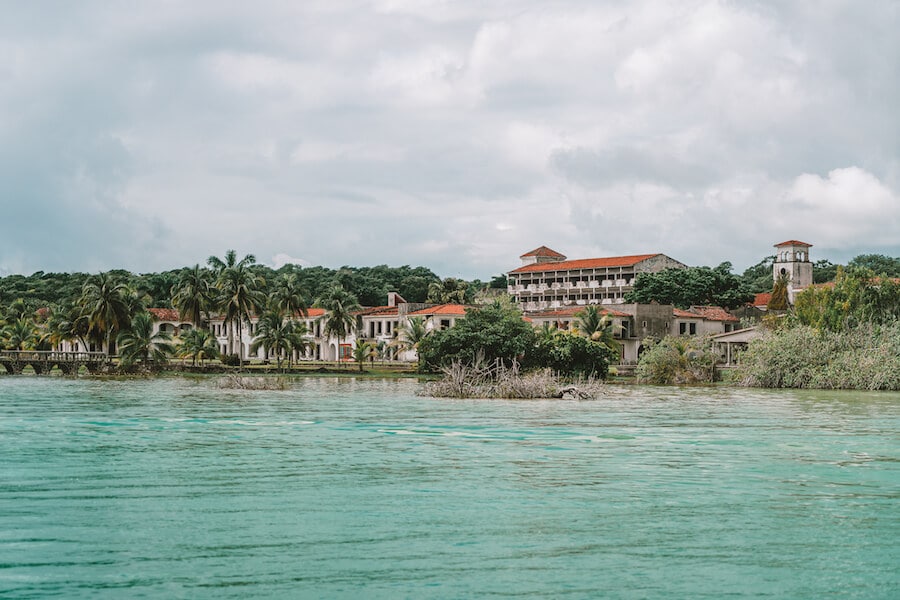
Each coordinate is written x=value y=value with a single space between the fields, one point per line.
x=547 y=279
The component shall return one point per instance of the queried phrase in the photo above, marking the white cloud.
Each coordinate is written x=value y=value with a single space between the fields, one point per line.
x=455 y=134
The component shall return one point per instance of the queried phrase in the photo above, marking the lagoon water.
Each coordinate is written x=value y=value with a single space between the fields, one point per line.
x=343 y=488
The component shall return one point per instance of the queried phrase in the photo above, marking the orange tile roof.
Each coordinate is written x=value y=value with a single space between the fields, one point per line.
x=793 y=243
x=458 y=310
x=379 y=311
x=762 y=299
x=571 y=311
x=586 y=263
x=315 y=312
x=544 y=252
x=165 y=314
x=685 y=314
x=715 y=313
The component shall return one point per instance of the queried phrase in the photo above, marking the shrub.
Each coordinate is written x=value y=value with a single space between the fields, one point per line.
x=231 y=360
x=676 y=360
x=864 y=357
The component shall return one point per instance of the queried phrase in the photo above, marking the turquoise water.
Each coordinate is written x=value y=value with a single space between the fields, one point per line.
x=360 y=489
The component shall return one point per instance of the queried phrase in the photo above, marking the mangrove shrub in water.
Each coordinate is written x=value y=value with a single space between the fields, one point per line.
x=865 y=357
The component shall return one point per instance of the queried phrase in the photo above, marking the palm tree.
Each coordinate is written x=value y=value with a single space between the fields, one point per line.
x=274 y=334
x=193 y=294
x=340 y=320
x=300 y=343
x=140 y=344
x=598 y=326
x=361 y=351
x=288 y=296
x=19 y=334
x=107 y=303
x=411 y=333
x=198 y=344
x=239 y=294
x=67 y=325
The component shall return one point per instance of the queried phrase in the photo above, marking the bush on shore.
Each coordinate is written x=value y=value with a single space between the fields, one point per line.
x=676 y=360
x=866 y=357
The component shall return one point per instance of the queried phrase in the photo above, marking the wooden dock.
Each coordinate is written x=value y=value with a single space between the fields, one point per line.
x=42 y=362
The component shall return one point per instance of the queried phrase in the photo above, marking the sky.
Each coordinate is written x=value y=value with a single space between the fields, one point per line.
x=455 y=135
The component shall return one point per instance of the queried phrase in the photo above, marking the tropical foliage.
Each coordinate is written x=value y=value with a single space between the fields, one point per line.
x=341 y=305
x=138 y=344
x=495 y=331
x=198 y=345
x=279 y=336
x=691 y=286
x=866 y=357
x=780 y=299
x=108 y=303
x=676 y=360
x=364 y=350
x=497 y=334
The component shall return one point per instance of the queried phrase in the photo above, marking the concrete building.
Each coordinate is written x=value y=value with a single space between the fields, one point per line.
x=792 y=260
x=548 y=280
x=633 y=323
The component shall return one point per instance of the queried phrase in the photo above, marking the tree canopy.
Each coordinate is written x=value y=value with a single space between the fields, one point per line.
x=691 y=286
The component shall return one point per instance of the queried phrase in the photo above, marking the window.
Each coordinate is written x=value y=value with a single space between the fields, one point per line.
x=445 y=324
x=682 y=328
x=692 y=328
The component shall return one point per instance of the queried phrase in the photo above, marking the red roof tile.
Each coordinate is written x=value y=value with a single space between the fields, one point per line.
x=165 y=314
x=458 y=310
x=379 y=311
x=312 y=313
x=793 y=243
x=762 y=299
x=572 y=311
x=586 y=263
x=715 y=313
x=544 y=252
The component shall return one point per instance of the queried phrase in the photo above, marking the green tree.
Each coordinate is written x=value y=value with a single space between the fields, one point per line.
x=69 y=324
x=779 y=299
x=198 y=344
x=288 y=296
x=138 y=344
x=691 y=286
x=597 y=325
x=450 y=290
x=362 y=351
x=857 y=297
x=879 y=264
x=758 y=278
x=495 y=331
x=276 y=336
x=19 y=334
x=340 y=318
x=239 y=294
x=411 y=333
x=676 y=360
x=570 y=354
x=108 y=304
x=193 y=295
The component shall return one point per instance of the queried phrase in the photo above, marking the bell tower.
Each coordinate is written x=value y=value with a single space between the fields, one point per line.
x=792 y=259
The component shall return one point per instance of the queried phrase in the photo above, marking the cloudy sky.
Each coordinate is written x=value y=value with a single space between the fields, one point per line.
x=451 y=134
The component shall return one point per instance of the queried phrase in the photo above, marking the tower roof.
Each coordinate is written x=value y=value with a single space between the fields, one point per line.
x=544 y=252
x=793 y=243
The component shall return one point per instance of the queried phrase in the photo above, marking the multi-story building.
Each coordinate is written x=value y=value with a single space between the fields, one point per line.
x=633 y=323
x=547 y=279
